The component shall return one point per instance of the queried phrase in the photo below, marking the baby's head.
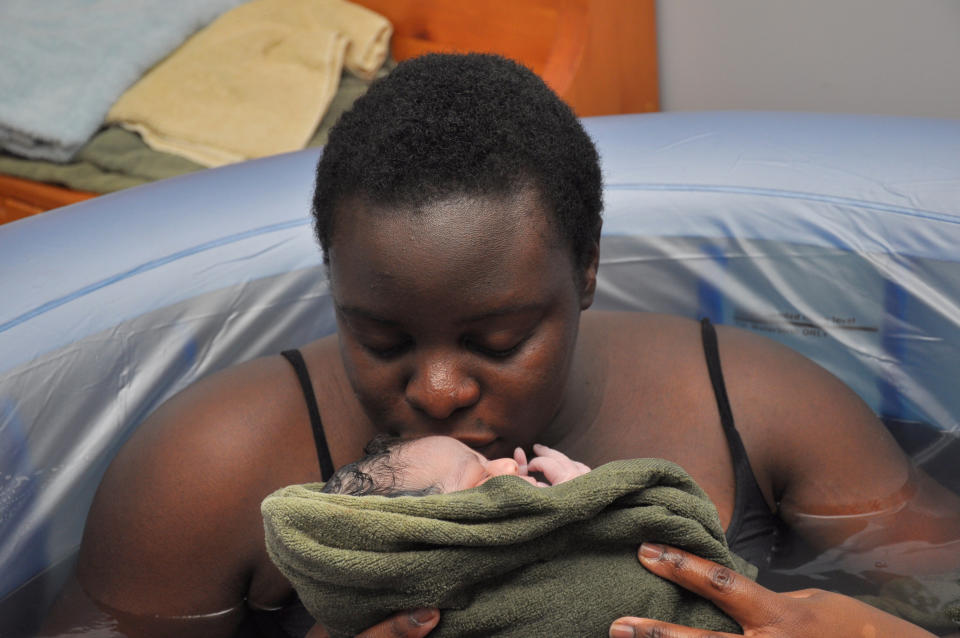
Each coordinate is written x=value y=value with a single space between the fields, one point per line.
x=417 y=467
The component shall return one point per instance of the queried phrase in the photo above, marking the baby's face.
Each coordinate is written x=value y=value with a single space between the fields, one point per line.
x=450 y=464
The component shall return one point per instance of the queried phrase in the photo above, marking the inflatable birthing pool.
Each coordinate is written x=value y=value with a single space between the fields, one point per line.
x=838 y=235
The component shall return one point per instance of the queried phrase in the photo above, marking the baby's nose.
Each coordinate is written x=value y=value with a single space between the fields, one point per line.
x=496 y=467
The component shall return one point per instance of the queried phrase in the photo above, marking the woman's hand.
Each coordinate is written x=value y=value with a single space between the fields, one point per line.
x=761 y=612
x=405 y=624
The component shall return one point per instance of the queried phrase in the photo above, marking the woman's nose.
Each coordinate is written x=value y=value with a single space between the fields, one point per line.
x=439 y=388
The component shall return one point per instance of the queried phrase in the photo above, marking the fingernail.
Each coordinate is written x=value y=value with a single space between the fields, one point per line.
x=651 y=551
x=422 y=616
x=621 y=631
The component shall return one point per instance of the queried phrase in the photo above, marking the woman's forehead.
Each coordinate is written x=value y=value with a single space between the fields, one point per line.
x=459 y=220
x=468 y=249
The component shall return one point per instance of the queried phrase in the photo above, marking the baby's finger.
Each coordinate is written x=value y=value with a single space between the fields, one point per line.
x=556 y=470
x=521 y=458
x=543 y=450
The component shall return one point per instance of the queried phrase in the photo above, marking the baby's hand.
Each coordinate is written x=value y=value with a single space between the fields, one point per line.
x=523 y=469
x=556 y=466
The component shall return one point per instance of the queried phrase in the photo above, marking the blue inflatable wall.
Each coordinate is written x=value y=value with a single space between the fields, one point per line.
x=837 y=235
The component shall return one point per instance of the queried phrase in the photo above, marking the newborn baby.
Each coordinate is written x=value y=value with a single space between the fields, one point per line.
x=431 y=522
x=440 y=465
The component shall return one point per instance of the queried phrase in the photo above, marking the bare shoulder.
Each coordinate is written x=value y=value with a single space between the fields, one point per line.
x=643 y=331
x=831 y=462
x=800 y=424
x=175 y=526
x=648 y=349
x=632 y=320
x=814 y=439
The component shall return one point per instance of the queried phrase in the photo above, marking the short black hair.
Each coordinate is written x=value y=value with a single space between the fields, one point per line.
x=378 y=473
x=443 y=125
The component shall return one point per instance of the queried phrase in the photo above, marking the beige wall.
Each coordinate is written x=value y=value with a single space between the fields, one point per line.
x=895 y=57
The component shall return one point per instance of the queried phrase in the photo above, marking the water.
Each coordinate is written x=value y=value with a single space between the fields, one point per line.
x=24 y=610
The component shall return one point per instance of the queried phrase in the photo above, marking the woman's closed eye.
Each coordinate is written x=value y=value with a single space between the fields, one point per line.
x=388 y=351
x=496 y=353
x=499 y=345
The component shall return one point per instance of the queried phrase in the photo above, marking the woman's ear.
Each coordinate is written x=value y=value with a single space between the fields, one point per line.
x=588 y=278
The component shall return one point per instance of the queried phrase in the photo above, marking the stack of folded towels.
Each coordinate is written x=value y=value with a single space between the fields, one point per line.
x=208 y=83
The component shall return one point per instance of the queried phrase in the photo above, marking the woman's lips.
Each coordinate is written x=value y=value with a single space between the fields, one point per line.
x=478 y=443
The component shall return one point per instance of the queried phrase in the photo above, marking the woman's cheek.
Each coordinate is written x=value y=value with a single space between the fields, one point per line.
x=371 y=379
x=545 y=365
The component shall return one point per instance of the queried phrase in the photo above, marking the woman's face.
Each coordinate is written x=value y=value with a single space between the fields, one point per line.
x=459 y=318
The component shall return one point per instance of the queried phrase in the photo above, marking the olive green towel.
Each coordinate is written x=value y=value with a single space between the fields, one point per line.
x=503 y=559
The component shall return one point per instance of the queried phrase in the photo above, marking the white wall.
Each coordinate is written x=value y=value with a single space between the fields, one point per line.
x=894 y=57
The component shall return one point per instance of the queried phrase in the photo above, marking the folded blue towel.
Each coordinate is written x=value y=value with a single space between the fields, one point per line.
x=65 y=62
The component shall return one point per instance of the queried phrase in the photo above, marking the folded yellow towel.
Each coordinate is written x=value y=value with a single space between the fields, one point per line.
x=367 y=32
x=256 y=82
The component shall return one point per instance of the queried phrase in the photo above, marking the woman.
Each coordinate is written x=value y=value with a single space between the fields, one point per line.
x=458 y=208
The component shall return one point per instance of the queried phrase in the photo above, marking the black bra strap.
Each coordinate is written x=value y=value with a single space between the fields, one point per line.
x=712 y=352
x=742 y=472
x=323 y=453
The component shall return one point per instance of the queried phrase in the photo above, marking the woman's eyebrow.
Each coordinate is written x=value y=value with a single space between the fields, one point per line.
x=503 y=311
x=362 y=313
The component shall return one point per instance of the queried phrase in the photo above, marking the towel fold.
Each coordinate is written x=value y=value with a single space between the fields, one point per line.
x=367 y=32
x=254 y=83
x=115 y=158
x=503 y=559
x=66 y=61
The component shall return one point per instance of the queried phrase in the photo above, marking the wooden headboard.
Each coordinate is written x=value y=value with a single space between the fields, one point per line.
x=598 y=55
x=21 y=198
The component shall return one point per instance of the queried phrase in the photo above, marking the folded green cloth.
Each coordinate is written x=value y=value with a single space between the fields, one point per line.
x=502 y=559
x=112 y=160
x=115 y=159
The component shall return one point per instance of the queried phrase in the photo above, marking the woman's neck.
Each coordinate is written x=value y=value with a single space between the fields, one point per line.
x=584 y=392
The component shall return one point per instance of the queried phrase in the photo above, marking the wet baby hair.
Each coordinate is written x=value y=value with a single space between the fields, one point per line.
x=379 y=472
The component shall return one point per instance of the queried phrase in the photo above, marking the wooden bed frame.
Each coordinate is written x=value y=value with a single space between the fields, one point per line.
x=598 y=55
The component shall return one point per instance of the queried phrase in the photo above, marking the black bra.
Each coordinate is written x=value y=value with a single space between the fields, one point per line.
x=754 y=530
x=319 y=439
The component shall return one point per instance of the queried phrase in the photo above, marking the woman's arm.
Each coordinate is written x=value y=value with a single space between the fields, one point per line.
x=175 y=532
x=838 y=479
x=833 y=471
